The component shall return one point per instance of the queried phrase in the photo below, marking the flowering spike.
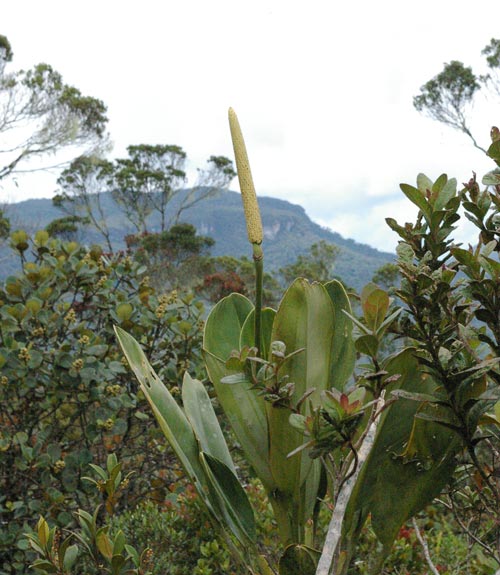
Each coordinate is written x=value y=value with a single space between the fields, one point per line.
x=249 y=197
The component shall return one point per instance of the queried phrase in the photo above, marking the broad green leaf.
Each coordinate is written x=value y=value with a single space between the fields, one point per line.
x=424 y=183
x=117 y=563
x=299 y=560
x=119 y=543
x=43 y=531
x=170 y=416
x=200 y=413
x=367 y=344
x=494 y=152
x=264 y=567
x=103 y=543
x=42 y=564
x=492 y=178
x=246 y=413
x=70 y=557
x=247 y=335
x=445 y=193
x=467 y=260
x=418 y=198
x=375 y=303
x=393 y=486
x=232 y=499
x=343 y=354
x=224 y=323
x=283 y=439
x=387 y=322
x=244 y=408
x=305 y=320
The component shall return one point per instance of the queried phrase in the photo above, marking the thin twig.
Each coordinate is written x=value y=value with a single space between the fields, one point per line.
x=425 y=549
x=335 y=528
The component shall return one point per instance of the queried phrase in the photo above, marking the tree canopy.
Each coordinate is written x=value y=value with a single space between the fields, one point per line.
x=41 y=115
x=448 y=97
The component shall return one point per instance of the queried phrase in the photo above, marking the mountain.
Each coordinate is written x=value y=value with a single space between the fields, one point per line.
x=288 y=232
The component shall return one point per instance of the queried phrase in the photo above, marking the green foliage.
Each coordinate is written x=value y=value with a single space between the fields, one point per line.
x=316 y=265
x=452 y=320
x=453 y=88
x=66 y=228
x=82 y=185
x=447 y=97
x=226 y=274
x=66 y=399
x=181 y=537
x=304 y=324
x=174 y=258
x=6 y=49
x=43 y=115
x=387 y=276
x=91 y=548
x=4 y=225
x=450 y=552
x=149 y=181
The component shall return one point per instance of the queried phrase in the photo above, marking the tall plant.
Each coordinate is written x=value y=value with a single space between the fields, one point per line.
x=284 y=379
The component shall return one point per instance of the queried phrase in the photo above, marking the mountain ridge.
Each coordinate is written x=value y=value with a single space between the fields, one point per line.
x=288 y=231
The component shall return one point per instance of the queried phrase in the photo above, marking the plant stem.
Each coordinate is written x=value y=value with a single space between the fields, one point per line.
x=425 y=549
x=335 y=528
x=258 y=258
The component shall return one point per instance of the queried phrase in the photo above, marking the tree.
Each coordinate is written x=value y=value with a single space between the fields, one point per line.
x=66 y=228
x=152 y=176
x=227 y=274
x=40 y=115
x=492 y=53
x=82 y=186
x=317 y=265
x=448 y=97
x=150 y=180
x=147 y=180
x=387 y=276
x=174 y=258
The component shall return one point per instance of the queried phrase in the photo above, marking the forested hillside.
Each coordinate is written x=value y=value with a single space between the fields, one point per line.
x=288 y=232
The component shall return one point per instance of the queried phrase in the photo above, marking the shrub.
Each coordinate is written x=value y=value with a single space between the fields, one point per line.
x=181 y=536
x=66 y=398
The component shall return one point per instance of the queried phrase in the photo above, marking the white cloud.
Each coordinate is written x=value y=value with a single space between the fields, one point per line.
x=323 y=91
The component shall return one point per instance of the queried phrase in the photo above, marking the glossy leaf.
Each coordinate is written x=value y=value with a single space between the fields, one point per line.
x=299 y=560
x=445 y=191
x=343 y=355
x=305 y=320
x=201 y=415
x=418 y=198
x=367 y=344
x=375 y=304
x=393 y=484
x=170 y=416
x=424 y=183
x=223 y=326
x=247 y=335
x=244 y=408
x=231 y=497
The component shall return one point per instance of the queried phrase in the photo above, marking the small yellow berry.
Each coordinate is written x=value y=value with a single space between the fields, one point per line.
x=24 y=354
x=70 y=317
x=59 y=466
x=78 y=364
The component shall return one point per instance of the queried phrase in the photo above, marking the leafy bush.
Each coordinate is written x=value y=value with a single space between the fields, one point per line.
x=449 y=549
x=66 y=398
x=91 y=548
x=181 y=536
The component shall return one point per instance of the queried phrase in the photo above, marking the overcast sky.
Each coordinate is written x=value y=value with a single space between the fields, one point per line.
x=323 y=90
